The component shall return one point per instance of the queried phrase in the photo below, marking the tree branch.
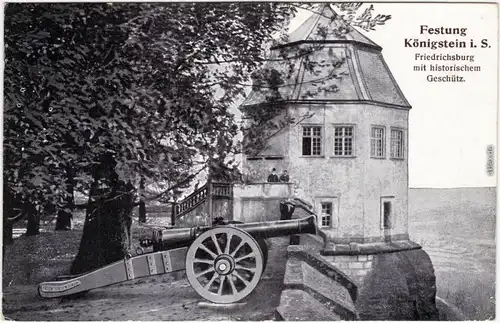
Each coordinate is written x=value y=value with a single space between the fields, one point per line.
x=259 y=149
x=16 y=218
x=178 y=184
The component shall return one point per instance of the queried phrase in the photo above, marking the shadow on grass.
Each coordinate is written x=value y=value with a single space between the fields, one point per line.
x=31 y=260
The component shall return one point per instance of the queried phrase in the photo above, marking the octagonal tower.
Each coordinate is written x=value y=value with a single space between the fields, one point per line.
x=347 y=148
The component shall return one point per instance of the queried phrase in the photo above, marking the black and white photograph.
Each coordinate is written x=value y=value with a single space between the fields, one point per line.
x=249 y=161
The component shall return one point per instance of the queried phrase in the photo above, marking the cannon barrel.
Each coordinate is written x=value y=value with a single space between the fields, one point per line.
x=258 y=230
x=280 y=228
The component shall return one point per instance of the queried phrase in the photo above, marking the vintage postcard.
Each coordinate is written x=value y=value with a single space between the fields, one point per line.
x=184 y=161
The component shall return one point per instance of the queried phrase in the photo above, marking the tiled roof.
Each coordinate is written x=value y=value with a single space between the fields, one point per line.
x=325 y=19
x=347 y=66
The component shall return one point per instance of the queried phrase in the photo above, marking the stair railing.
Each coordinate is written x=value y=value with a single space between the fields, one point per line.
x=218 y=190
x=191 y=202
x=307 y=207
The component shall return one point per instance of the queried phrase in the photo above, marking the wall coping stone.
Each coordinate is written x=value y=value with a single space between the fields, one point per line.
x=299 y=275
x=312 y=257
x=369 y=248
x=330 y=236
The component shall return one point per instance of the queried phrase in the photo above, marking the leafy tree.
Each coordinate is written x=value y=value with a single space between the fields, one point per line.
x=99 y=97
x=113 y=91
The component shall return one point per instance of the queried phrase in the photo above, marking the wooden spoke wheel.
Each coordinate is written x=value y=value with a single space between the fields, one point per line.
x=265 y=251
x=262 y=244
x=224 y=265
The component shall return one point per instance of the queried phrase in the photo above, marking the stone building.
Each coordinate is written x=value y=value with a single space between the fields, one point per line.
x=344 y=141
x=346 y=148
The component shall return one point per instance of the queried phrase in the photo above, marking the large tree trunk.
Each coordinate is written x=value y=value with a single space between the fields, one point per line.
x=65 y=216
x=142 y=204
x=63 y=221
x=106 y=233
x=142 y=211
x=8 y=213
x=8 y=237
x=33 y=226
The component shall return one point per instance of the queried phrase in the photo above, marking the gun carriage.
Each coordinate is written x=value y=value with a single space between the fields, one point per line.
x=223 y=263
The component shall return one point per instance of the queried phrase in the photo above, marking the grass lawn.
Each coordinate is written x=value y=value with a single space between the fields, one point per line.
x=34 y=259
x=31 y=260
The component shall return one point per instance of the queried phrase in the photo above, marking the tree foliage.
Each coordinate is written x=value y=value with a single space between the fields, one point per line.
x=150 y=84
x=98 y=97
x=112 y=93
x=132 y=80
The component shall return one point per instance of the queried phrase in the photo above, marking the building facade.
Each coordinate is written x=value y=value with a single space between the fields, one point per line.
x=346 y=142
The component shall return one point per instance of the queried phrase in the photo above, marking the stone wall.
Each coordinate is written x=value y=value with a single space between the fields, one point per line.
x=357 y=267
x=315 y=290
x=258 y=202
x=382 y=282
x=401 y=286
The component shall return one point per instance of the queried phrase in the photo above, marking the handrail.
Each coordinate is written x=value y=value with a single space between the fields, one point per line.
x=194 y=193
x=222 y=189
x=195 y=199
x=298 y=199
x=192 y=201
x=308 y=208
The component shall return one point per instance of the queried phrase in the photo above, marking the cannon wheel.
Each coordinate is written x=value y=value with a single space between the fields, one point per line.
x=262 y=244
x=224 y=265
x=265 y=251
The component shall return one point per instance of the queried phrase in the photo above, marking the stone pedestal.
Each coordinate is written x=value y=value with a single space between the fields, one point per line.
x=395 y=279
x=357 y=266
x=356 y=259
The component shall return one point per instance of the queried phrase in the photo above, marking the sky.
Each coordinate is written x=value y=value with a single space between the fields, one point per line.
x=451 y=124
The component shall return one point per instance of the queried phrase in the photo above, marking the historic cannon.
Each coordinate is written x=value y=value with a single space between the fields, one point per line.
x=223 y=263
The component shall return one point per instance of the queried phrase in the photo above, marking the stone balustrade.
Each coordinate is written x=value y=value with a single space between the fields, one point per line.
x=259 y=201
